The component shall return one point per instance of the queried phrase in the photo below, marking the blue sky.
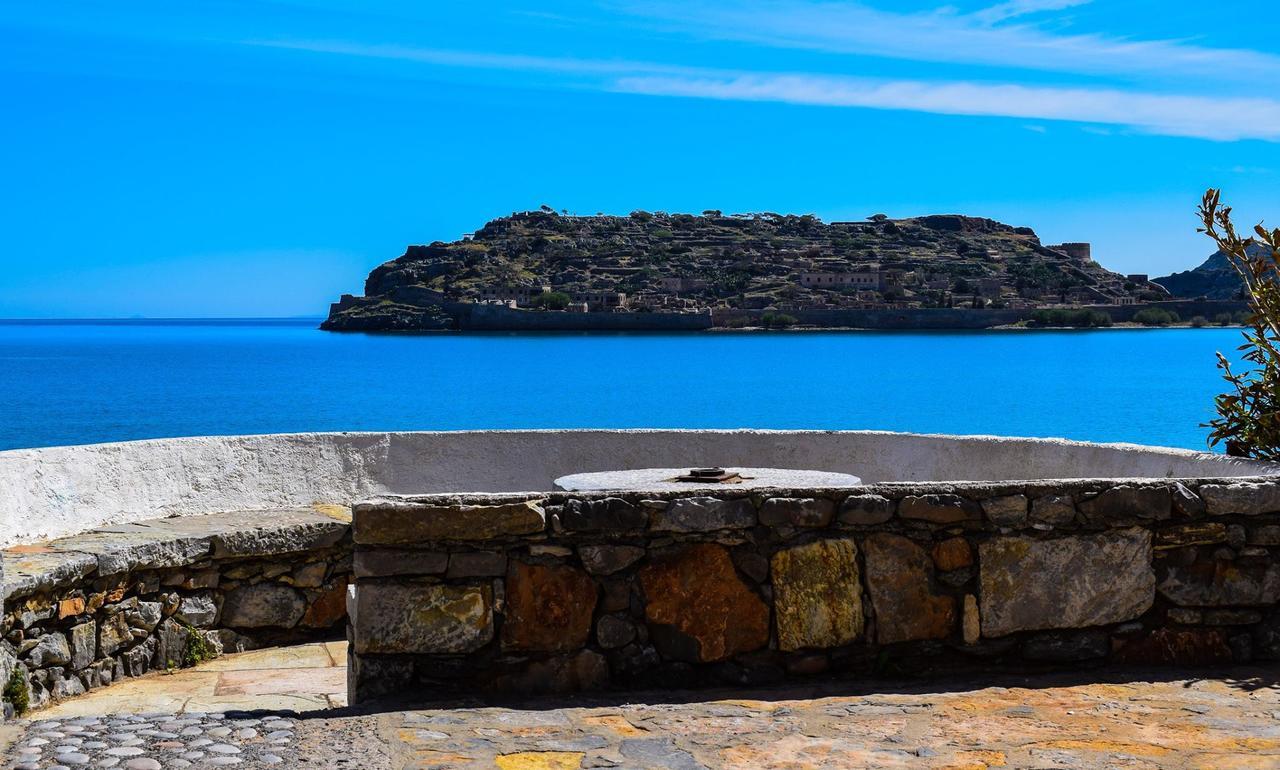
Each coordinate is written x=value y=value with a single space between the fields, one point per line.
x=258 y=158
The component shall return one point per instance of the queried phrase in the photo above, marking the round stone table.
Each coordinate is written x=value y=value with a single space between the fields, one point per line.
x=664 y=480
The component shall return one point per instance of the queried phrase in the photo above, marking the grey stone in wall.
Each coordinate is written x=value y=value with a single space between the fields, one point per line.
x=608 y=559
x=704 y=514
x=425 y=619
x=865 y=510
x=1245 y=498
x=1129 y=502
x=1006 y=511
x=1066 y=582
x=1220 y=582
x=200 y=610
x=263 y=605
x=797 y=511
x=610 y=514
x=939 y=509
x=84 y=640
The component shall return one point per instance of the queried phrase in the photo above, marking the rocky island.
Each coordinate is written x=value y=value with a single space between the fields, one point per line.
x=543 y=270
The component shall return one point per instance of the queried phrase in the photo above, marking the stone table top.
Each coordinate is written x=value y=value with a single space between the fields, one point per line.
x=663 y=480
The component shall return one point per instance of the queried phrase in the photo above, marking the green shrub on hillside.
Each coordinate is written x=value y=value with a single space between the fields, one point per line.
x=1079 y=318
x=1223 y=319
x=552 y=300
x=777 y=320
x=1154 y=316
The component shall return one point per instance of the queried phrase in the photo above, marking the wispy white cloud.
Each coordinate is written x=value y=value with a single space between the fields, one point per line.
x=987 y=37
x=1206 y=117
x=1015 y=8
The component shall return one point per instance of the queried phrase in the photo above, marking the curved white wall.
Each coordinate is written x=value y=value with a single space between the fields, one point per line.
x=58 y=491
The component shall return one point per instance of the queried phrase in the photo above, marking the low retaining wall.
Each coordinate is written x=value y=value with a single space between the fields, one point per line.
x=86 y=611
x=566 y=591
x=58 y=491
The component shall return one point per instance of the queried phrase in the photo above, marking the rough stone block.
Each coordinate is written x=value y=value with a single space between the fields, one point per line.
x=797 y=511
x=328 y=606
x=389 y=562
x=422 y=619
x=466 y=564
x=1241 y=498
x=1177 y=647
x=1185 y=502
x=583 y=671
x=608 y=559
x=817 y=595
x=548 y=609
x=1220 y=582
x=939 y=509
x=898 y=580
x=1006 y=511
x=1065 y=582
x=392 y=522
x=50 y=650
x=952 y=554
x=263 y=605
x=1054 y=510
x=698 y=609
x=370 y=678
x=1067 y=646
x=865 y=510
x=1199 y=533
x=1129 y=502
x=611 y=514
x=199 y=610
x=279 y=532
x=84 y=644
x=113 y=634
x=703 y=514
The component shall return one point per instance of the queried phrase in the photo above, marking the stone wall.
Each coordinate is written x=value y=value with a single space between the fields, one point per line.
x=85 y=611
x=561 y=592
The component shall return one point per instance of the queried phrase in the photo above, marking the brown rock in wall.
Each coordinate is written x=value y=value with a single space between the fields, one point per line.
x=548 y=608
x=329 y=606
x=699 y=609
x=898 y=573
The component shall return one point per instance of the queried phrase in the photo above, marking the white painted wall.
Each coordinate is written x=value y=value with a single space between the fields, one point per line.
x=59 y=491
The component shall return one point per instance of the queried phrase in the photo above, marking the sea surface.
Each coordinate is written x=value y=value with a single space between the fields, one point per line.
x=87 y=382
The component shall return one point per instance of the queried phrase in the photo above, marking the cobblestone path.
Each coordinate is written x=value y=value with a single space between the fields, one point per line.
x=1228 y=720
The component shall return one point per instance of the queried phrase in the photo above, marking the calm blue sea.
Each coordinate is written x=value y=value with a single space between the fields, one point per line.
x=84 y=382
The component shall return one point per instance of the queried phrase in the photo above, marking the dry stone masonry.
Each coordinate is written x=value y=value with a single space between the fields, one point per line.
x=85 y=611
x=560 y=592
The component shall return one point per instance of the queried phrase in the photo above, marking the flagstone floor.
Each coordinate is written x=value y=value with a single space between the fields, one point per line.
x=286 y=708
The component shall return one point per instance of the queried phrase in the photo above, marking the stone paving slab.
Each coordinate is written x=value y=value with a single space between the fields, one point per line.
x=1103 y=719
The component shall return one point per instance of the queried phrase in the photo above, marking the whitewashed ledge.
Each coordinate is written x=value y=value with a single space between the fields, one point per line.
x=59 y=491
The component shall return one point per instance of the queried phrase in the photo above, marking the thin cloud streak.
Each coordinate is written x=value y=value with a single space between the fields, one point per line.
x=1204 y=117
x=944 y=35
x=1222 y=119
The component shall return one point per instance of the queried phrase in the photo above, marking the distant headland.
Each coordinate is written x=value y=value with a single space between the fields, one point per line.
x=543 y=270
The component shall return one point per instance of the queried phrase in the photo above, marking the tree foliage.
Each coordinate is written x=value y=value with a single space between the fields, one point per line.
x=1248 y=420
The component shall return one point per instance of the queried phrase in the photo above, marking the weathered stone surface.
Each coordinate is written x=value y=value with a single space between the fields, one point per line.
x=865 y=510
x=549 y=609
x=817 y=595
x=263 y=605
x=84 y=641
x=1066 y=582
x=1185 y=502
x=50 y=650
x=1129 y=502
x=939 y=509
x=113 y=634
x=952 y=553
x=199 y=610
x=37 y=568
x=608 y=559
x=328 y=607
x=898 y=573
x=1054 y=510
x=703 y=514
x=171 y=643
x=699 y=609
x=972 y=625
x=1232 y=617
x=306 y=576
x=392 y=522
x=1218 y=582
x=1067 y=646
x=1265 y=535
x=1177 y=647
x=1243 y=498
x=585 y=670
x=1266 y=637
x=69 y=608
x=145 y=615
x=611 y=514
x=1198 y=533
x=424 y=619
x=389 y=562
x=1006 y=511
x=797 y=511
x=613 y=631
x=477 y=564
x=282 y=532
